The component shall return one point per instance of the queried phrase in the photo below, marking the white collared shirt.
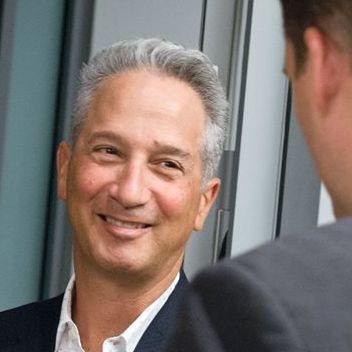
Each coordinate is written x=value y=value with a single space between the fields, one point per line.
x=68 y=339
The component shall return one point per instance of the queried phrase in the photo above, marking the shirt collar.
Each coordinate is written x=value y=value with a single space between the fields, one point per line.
x=129 y=338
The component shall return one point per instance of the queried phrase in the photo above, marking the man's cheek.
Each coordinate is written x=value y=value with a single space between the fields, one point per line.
x=89 y=181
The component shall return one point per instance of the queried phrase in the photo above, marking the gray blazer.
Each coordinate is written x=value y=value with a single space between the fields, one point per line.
x=294 y=294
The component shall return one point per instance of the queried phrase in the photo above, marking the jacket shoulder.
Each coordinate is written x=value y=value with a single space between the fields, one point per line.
x=28 y=320
x=298 y=286
x=304 y=254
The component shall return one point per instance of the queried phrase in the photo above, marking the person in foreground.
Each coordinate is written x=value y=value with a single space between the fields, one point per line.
x=294 y=294
x=137 y=178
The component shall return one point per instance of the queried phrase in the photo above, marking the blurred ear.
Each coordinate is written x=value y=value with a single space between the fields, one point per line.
x=208 y=198
x=325 y=68
x=63 y=157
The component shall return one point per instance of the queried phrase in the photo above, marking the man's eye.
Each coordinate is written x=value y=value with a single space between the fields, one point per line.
x=171 y=164
x=109 y=150
x=106 y=150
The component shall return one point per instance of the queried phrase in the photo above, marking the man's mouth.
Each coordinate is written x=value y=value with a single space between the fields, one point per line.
x=124 y=224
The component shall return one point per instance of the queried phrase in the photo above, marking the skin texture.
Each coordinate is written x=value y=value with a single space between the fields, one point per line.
x=132 y=185
x=322 y=98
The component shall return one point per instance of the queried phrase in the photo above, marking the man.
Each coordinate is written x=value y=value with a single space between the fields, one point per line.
x=137 y=178
x=294 y=294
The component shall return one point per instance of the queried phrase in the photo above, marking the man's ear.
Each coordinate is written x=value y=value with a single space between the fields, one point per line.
x=63 y=157
x=324 y=64
x=208 y=198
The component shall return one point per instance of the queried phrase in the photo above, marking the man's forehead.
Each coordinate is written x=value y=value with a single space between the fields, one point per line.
x=118 y=89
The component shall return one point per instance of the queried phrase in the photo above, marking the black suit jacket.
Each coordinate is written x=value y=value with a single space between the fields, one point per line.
x=33 y=327
x=294 y=294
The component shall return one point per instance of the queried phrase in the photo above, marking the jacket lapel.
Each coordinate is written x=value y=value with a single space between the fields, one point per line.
x=157 y=333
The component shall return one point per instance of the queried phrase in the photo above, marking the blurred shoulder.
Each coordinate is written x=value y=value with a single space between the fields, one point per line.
x=318 y=255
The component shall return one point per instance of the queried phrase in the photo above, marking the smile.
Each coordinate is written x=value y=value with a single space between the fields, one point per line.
x=124 y=224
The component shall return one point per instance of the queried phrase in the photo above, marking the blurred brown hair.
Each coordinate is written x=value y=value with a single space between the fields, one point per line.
x=332 y=17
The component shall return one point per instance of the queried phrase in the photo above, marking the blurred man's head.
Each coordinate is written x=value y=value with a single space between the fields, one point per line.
x=319 y=65
x=332 y=17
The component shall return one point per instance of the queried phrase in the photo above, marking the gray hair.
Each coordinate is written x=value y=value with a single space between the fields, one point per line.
x=188 y=65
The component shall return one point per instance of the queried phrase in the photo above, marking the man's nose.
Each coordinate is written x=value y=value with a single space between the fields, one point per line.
x=131 y=186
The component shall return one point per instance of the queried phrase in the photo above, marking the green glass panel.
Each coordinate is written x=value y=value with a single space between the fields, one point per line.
x=27 y=158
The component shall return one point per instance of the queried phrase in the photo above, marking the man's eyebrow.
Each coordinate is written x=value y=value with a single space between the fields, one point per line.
x=168 y=149
x=108 y=135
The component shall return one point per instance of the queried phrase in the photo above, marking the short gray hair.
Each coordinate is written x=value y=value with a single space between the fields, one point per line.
x=188 y=65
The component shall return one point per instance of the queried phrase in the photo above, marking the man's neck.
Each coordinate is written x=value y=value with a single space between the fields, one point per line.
x=102 y=307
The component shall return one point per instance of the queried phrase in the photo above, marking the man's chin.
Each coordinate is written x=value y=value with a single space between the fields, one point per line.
x=123 y=266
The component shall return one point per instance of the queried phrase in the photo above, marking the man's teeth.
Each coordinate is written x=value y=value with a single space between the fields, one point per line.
x=127 y=225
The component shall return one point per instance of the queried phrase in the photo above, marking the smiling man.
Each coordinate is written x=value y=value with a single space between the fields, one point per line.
x=138 y=176
x=294 y=294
